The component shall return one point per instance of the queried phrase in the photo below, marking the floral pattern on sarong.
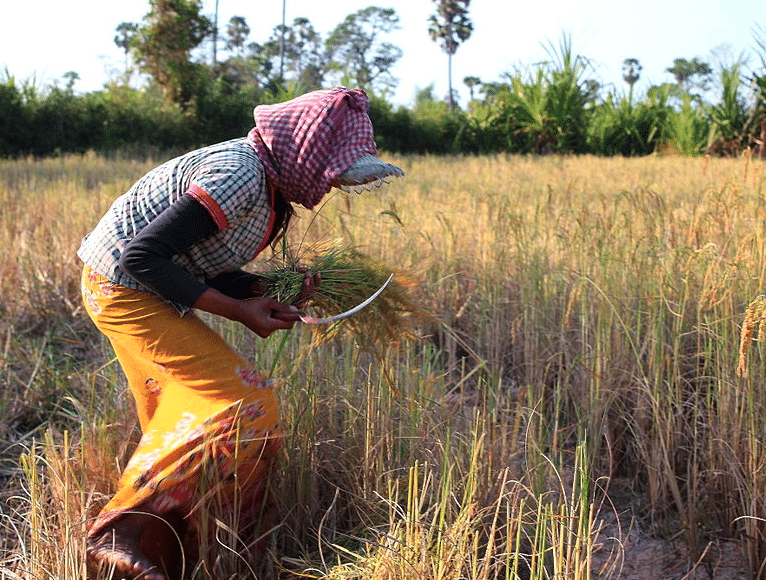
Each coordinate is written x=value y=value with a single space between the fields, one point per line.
x=164 y=464
x=253 y=378
x=153 y=386
x=219 y=425
x=93 y=287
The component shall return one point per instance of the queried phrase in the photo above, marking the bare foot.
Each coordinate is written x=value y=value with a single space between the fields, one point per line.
x=118 y=547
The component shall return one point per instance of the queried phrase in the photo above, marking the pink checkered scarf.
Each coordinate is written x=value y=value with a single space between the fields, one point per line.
x=307 y=142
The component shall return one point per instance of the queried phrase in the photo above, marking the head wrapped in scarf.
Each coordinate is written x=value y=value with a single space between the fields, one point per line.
x=305 y=144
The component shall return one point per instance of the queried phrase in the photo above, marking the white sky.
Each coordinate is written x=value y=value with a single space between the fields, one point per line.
x=46 y=38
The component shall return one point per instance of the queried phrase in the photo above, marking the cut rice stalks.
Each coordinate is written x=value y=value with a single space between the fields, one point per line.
x=349 y=277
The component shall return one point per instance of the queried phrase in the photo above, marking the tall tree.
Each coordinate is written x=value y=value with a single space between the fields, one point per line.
x=449 y=27
x=756 y=123
x=282 y=41
x=245 y=65
x=690 y=73
x=298 y=52
x=237 y=32
x=126 y=33
x=356 y=53
x=164 y=43
x=471 y=82
x=309 y=58
x=214 y=61
x=631 y=72
x=71 y=78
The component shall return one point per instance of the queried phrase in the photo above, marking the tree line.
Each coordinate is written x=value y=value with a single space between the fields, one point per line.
x=555 y=106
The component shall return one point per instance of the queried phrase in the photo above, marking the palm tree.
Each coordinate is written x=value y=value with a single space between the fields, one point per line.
x=631 y=72
x=471 y=82
x=450 y=26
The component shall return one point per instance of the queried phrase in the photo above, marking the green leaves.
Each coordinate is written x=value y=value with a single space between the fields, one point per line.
x=163 y=45
x=546 y=108
x=355 y=50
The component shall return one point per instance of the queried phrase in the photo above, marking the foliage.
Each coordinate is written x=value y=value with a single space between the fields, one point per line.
x=546 y=109
x=163 y=45
x=431 y=127
x=690 y=74
x=16 y=128
x=728 y=116
x=223 y=113
x=357 y=55
x=551 y=107
x=619 y=127
x=688 y=128
x=755 y=125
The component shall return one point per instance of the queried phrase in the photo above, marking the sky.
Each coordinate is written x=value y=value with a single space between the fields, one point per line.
x=43 y=39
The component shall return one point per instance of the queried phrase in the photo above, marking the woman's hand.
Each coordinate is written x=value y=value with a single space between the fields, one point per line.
x=261 y=315
x=310 y=282
x=264 y=315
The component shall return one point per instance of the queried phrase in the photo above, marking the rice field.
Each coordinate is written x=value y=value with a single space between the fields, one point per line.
x=572 y=408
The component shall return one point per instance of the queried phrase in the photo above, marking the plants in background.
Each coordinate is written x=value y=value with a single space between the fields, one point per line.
x=545 y=109
x=729 y=115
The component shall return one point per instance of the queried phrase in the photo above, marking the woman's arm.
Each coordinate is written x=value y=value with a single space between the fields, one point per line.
x=239 y=284
x=261 y=315
x=148 y=256
x=148 y=259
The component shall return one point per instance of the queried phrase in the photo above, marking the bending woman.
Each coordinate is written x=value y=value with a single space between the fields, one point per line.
x=175 y=242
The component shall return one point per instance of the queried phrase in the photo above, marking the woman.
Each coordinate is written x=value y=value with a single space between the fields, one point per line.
x=176 y=242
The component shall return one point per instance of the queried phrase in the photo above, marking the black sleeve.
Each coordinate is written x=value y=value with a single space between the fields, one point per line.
x=147 y=257
x=237 y=284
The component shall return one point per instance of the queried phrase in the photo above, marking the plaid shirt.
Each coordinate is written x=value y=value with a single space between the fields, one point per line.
x=227 y=179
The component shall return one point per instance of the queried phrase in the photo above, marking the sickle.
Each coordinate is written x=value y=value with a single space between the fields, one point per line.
x=306 y=319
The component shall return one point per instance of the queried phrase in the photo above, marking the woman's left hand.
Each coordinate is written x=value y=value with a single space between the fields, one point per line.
x=310 y=282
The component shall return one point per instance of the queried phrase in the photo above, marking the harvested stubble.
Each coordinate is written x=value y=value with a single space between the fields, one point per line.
x=348 y=278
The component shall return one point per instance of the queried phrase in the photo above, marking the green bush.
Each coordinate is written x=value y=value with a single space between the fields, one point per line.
x=619 y=127
x=15 y=126
x=546 y=109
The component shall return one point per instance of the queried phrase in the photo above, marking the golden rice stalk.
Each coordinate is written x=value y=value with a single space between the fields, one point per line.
x=755 y=315
x=348 y=278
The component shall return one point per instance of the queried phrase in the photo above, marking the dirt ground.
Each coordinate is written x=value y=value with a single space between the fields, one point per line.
x=640 y=557
x=629 y=551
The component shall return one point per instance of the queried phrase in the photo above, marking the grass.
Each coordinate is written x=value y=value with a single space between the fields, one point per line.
x=589 y=316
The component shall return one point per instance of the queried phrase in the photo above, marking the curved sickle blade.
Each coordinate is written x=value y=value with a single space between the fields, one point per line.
x=306 y=319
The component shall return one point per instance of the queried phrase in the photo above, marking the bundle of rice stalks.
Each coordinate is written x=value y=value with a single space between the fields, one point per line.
x=348 y=278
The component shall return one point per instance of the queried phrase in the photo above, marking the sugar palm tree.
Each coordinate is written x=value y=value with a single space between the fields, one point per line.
x=449 y=27
x=631 y=72
x=471 y=82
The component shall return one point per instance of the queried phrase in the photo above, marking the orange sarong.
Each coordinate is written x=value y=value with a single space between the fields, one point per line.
x=202 y=409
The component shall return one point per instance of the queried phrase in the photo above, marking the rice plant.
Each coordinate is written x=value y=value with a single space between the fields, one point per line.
x=584 y=338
